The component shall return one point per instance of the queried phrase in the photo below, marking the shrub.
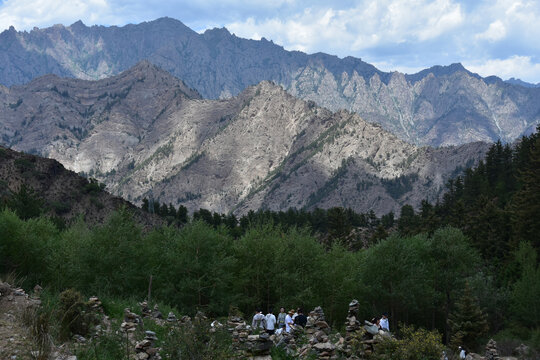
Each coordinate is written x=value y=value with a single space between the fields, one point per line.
x=38 y=320
x=74 y=319
x=419 y=344
x=197 y=343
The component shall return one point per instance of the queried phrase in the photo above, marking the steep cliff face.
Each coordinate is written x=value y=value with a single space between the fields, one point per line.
x=443 y=105
x=144 y=133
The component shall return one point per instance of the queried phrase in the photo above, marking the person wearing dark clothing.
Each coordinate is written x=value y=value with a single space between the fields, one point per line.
x=300 y=319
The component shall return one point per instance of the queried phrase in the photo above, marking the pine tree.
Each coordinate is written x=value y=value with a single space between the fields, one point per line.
x=468 y=323
x=526 y=202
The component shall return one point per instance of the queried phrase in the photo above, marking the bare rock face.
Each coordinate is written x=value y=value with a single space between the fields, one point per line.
x=443 y=105
x=145 y=133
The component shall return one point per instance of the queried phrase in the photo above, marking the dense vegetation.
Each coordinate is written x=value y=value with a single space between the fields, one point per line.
x=472 y=257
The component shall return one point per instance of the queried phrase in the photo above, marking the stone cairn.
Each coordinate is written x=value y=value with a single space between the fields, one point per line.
x=354 y=332
x=95 y=304
x=245 y=343
x=145 y=349
x=492 y=353
x=145 y=310
x=156 y=314
x=317 y=331
x=171 y=318
x=131 y=321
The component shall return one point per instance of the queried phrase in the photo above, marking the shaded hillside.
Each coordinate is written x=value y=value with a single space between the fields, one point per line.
x=143 y=133
x=59 y=192
x=442 y=105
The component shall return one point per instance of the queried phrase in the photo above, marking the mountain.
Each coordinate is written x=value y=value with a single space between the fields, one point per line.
x=522 y=83
x=443 y=105
x=145 y=133
x=60 y=192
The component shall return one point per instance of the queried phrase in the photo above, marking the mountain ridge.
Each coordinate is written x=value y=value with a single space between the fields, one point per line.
x=145 y=135
x=443 y=105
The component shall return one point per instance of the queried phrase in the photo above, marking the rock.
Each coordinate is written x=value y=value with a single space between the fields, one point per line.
x=474 y=356
x=327 y=346
x=492 y=353
x=522 y=351
x=171 y=317
x=156 y=314
x=150 y=335
x=80 y=339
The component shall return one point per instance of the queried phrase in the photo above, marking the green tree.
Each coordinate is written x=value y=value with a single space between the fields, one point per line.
x=468 y=323
x=198 y=269
x=451 y=259
x=526 y=202
x=526 y=291
x=26 y=203
x=395 y=274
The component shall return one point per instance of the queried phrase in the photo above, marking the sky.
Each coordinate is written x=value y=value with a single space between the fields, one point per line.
x=489 y=37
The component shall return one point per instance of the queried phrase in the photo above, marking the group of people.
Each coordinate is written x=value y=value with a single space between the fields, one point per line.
x=382 y=323
x=284 y=322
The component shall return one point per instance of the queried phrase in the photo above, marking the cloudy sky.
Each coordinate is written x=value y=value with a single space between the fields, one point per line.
x=490 y=37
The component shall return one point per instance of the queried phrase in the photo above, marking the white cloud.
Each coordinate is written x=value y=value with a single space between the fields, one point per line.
x=495 y=31
x=25 y=14
x=521 y=67
x=367 y=25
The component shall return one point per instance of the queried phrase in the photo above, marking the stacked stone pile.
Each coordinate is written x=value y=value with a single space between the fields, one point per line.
x=131 y=321
x=185 y=320
x=316 y=322
x=171 y=318
x=145 y=310
x=317 y=331
x=239 y=330
x=156 y=314
x=354 y=331
x=145 y=349
x=522 y=351
x=95 y=304
x=258 y=345
x=37 y=291
x=245 y=342
x=492 y=353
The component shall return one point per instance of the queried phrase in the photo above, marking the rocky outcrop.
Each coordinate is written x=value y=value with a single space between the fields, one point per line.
x=145 y=134
x=442 y=105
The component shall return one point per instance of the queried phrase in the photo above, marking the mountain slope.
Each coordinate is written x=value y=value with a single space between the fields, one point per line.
x=62 y=192
x=442 y=105
x=144 y=133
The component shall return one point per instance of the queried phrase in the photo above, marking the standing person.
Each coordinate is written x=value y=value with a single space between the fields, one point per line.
x=289 y=321
x=300 y=318
x=384 y=323
x=281 y=318
x=270 y=322
x=258 y=320
x=462 y=354
x=295 y=314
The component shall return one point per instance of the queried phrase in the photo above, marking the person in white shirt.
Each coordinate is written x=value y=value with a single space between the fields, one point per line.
x=384 y=323
x=462 y=354
x=289 y=321
x=258 y=320
x=270 y=322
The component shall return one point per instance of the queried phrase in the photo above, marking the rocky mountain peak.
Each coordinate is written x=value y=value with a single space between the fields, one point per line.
x=442 y=105
x=138 y=133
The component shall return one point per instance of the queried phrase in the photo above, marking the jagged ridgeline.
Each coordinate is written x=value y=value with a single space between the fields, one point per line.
x=441 y=105
x=144 y=133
